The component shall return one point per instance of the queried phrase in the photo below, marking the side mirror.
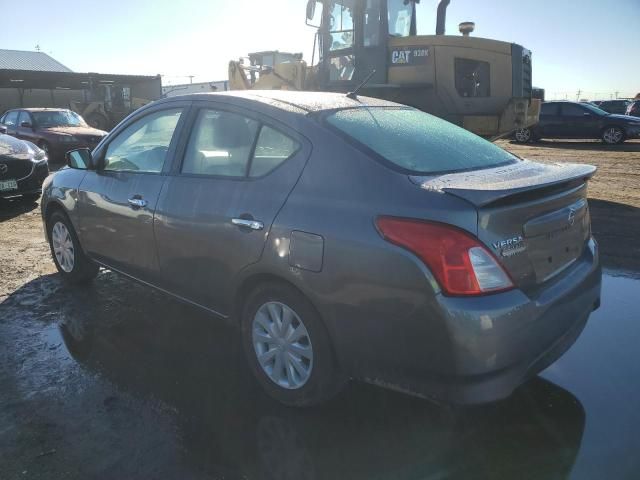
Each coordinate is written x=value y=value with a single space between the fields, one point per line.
x=26 y=125
x=3 y=129
x=314 y=15
x=80 y=159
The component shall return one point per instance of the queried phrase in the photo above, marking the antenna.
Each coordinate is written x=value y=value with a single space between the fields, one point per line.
x=354 y=95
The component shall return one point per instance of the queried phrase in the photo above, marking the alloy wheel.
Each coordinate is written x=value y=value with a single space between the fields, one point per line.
x=63 y=246
x=282 y=345
x=612 y=135
x=523 y=135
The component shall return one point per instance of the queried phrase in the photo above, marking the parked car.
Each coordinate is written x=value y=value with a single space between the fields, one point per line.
x=633 y=109
x=347 y=238
x=54 y=130
x=614 y=106
x=23 y=168
x=579 y=120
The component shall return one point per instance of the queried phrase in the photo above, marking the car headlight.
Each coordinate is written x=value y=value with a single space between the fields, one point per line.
x=68 y=139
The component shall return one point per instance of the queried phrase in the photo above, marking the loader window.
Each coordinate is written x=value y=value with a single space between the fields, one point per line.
x=399 y=18
x=472 y=77
x=372 y=23
x=341 y=68
x=341 y=25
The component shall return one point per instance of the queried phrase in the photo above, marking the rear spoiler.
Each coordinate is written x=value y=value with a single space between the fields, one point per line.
x=482 y=187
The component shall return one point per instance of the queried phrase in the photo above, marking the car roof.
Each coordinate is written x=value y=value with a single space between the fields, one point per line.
x=292 y=101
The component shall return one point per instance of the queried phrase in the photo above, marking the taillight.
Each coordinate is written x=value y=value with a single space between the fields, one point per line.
x=460 y=263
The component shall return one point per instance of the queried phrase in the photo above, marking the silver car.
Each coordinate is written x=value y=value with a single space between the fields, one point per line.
x=347 y=237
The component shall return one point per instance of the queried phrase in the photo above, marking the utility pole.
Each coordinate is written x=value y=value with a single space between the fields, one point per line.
x=190 y=78
x=617 y=95
x=578 y=95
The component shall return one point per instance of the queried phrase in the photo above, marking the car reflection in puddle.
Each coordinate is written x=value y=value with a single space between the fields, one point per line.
x=157 y=347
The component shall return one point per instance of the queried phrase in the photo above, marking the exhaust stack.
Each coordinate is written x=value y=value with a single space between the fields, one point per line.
x=441 y=16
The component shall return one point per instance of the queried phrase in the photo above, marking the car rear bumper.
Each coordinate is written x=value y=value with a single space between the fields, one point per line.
x=495 y=343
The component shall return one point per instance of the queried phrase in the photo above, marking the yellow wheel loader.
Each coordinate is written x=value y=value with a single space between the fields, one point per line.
x=481 y=84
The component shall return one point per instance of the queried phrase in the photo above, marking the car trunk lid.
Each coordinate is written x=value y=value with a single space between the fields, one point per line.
x=534 y=217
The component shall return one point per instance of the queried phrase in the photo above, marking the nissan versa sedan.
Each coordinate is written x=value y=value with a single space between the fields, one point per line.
x=23 y=168
x=346 y=237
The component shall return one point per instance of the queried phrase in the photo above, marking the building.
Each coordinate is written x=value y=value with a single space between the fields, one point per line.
x=34 y=79
x=203 y=87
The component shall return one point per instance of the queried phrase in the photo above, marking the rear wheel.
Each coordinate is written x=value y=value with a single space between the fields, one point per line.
x=288 y=348
x=72 y=264
x=613 y=135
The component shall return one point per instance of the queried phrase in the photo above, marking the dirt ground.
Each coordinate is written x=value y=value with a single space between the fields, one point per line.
x=136 y=399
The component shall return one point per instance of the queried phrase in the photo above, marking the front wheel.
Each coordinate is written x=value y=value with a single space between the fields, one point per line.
x=613 y=135
x=288 y=348
x=72 y=264
x=523 y=135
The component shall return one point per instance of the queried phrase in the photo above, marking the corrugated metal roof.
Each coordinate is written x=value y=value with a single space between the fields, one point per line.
x=23 y=60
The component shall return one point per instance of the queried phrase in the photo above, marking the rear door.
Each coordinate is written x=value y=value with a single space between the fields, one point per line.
x=216 y=209
x=117 y=201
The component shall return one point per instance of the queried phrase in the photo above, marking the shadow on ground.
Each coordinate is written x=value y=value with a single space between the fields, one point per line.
x=14 y=207
x=116 y=381
x=616 y=227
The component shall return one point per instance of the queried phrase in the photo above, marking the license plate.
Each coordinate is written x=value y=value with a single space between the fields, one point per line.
x=6 y=185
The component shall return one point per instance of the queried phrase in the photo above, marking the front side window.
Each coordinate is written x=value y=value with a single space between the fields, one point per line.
x=220 y=144
x=10 y=119
x=549 y=109
x=24 y=117
x=272 y=149
x=417 y=142
x=341 y=25
x=58 y=118
x=571 y=110
x=472 y=77
x=143 y=145
x=399 y=12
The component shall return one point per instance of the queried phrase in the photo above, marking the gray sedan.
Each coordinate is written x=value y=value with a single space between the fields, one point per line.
x=346 y=237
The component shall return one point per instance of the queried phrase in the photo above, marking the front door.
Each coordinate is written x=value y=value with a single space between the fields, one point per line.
x=216 y=209
x=26 y=132
x=118 y=200
x=578 y=122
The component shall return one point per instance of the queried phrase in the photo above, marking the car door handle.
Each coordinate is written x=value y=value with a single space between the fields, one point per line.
x=244 y=222
x=137 y=202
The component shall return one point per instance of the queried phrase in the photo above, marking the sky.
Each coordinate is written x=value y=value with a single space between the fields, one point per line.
x=584 y=45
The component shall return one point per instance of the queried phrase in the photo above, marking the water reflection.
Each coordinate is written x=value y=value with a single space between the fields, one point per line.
x=229 y=428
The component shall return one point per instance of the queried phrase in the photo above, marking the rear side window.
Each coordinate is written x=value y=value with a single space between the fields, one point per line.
x=272 y=149
x=417 y=142
x=220 y=144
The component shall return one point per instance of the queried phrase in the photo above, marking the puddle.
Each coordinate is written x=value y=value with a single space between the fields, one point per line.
x=579 y=420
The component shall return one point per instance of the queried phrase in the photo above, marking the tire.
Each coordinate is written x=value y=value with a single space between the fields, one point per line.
x=523 y=135
x=312 y=377
x=613 y=135
x=72 y=264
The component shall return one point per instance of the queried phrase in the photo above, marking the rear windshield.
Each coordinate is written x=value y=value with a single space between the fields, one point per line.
x=417 y=142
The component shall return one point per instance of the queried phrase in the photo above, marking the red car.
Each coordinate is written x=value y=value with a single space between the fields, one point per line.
x=54 y=130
